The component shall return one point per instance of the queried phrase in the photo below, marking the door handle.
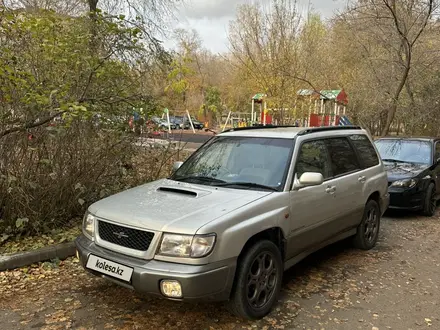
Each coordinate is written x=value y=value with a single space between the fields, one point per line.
x=330 y=189
x=362 y=179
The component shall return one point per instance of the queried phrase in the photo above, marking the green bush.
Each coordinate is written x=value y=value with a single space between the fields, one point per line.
x=47 y=181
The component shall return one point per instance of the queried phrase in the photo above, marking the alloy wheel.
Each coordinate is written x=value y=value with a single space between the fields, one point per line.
x=371 y=225
x=262 y=280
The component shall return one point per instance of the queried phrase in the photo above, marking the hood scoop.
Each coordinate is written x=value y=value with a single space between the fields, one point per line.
x=178 y=191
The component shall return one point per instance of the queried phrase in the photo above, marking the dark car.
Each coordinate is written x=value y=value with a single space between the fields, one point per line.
x=413 y=168
x=162 y=124
x=177 y=121
x=196 y=123
x=183 y=122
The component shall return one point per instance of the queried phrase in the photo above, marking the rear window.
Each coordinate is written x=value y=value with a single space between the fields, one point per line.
x=366 y=151
x=342 y=156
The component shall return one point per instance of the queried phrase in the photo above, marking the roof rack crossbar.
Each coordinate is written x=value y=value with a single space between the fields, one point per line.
x=307 y=130
x=310 y=130
x=257 y=127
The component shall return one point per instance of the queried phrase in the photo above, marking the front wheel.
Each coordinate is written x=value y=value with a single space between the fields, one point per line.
x=257 y=282
x=368 y=230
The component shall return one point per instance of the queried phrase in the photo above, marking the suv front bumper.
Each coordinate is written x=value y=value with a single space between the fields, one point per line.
x=211 y=282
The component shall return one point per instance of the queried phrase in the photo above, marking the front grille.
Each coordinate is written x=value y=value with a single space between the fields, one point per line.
x=127 y=237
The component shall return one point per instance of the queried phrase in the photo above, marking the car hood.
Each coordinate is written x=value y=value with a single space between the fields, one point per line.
x=172 y=206
x=400 y=171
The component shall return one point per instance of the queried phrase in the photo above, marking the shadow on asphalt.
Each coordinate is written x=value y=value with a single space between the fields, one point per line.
x=399 y=215
x=316 y=260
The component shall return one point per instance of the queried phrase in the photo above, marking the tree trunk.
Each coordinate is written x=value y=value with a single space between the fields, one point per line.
x=404 y=53
x=392 y=110
x=93 y=6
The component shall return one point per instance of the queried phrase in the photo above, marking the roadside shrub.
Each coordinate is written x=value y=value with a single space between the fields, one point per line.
x=50 y=179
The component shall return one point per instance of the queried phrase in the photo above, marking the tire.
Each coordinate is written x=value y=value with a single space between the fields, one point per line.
x=368 y=230
x=257 y=281
x=430 y=202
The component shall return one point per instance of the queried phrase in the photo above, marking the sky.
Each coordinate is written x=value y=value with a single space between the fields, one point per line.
x=210 y=18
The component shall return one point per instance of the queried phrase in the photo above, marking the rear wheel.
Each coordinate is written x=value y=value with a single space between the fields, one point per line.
x=368 y=230
x=430 y=202
x=257 y=282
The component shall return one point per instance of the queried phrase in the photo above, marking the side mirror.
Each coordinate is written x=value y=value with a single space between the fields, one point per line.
x=308 y=179
x=176 y=166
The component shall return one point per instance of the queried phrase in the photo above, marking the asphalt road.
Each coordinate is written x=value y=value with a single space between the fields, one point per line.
x=189 y=137
x=394 y=286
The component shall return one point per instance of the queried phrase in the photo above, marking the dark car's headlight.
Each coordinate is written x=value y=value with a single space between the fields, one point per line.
x=406 y=183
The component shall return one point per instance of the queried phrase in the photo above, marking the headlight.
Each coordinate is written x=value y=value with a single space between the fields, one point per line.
x=89 y=225
x=406 y=183
x=186 y=246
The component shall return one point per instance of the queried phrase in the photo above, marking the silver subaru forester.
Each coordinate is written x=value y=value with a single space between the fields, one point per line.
x=243 y=208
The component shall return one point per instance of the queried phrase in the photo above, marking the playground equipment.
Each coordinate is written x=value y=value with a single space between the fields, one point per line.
x=238 y=119
x=312 y=109
x=243 y=119
x=324 y=108
x=264 y=117
x=166 y=113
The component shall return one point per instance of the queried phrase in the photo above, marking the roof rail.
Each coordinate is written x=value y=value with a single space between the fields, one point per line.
x=307 y=130
x=310 y=130
x=257 y=126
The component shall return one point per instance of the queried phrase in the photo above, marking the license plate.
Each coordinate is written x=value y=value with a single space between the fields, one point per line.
x=110 y=268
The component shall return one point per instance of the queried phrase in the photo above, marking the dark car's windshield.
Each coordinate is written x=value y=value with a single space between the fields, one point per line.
x=405 y=150
x=250 y=163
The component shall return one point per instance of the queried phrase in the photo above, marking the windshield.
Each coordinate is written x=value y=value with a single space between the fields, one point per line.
x=408 y=151
x=239 y=162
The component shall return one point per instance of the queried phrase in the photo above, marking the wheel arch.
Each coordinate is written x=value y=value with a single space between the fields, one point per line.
x=375 y=196
x=274 y=234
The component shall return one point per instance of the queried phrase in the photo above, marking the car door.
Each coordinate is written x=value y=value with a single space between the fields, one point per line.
x=310 y=207
x=346 y=177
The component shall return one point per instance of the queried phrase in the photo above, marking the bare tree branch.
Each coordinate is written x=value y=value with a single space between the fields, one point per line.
x=31 y=124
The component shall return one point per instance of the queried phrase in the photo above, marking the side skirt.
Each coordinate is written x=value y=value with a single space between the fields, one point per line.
x=293 y=261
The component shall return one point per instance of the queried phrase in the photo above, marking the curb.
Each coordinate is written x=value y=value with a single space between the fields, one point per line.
x=21 y=259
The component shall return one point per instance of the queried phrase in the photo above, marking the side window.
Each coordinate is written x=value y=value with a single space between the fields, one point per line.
x=366 y=151
x=437 y=151
x=313 y=157
x=342 y=156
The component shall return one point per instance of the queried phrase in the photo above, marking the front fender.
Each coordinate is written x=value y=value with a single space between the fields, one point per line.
x=234 y=231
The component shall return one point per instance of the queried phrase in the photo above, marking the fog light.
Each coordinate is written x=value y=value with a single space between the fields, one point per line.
x=171 y=289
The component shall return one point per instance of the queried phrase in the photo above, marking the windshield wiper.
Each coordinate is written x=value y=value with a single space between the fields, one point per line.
x=246 y=184
x=199 y=178
x=390 y=160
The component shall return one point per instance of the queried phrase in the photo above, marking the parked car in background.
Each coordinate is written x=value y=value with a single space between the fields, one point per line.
x=177 y=121
x=197 y=125
x=247 y=205
x=413 y=167
x=162 y=124
x=182 y=122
